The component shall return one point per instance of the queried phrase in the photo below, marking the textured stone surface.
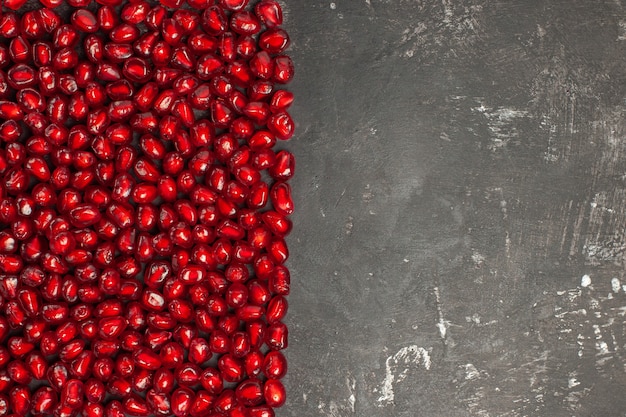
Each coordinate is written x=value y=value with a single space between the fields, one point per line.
x=461 y=168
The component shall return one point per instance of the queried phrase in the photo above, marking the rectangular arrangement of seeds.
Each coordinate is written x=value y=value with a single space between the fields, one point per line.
x=143 y=207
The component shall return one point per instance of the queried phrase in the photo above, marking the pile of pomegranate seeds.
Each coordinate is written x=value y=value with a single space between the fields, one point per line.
x=143 y=208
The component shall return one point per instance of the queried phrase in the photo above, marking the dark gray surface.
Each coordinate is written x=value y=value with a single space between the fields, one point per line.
x=461 y=165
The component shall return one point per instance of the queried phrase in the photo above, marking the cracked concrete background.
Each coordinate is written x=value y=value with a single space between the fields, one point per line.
x=460 y=233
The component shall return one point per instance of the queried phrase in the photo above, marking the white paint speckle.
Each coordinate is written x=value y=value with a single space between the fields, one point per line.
x=622 y=30
x=471 y=373
x=572 y=382
x=333 y=6
x=602 y=347
x=500 y=124
x=442 y=324
x=351 y=402
x=349 y=225
x=397 y=368
x=615 y=285
x=585 y=281
x=478 y=259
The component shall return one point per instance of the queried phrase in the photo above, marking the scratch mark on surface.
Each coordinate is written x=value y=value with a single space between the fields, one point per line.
x=407 y=357
x=351 y=382
x=340 y=197
x=500 y=123
x=442 y=324
x=622 y=30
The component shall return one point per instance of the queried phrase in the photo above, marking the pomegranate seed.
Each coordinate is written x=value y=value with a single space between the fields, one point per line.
x=250 y=392
x=43 y=401
x=9 y=26
x=124 y=33
x=107 y=19
x=181 y=401
x=274 y=393
x=135 y=13
x=84 y=20
x=14 y=4
x=118 y=52
x=214 y=21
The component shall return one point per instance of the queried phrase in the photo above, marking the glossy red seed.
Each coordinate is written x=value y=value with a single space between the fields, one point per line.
x=20 y=400
x=233 y=5
x=134 y=13
x=274 y=393
x=19 y=49
x=260 y=90
x=283 y=69
x=119 y=386
x=124 y=33
x=226 y=402
x=188 y=375
x=231 y=368
x=108 y=72
x=43 y=401
x=281 y=100
x=111 y=327
x=227 y=47
x=211 y=380
x=118 y=52
x=42 y=53
x=72 y=394
x=156 y=339
x=269 y=12
x=250 y=392
x=85 y=21
x=14 y=4
x=281 y=125
x=32 y=26
x=276 y=309
x=136 y=70
x=282 y=201
x=253 y=362
x=103 y=368
x=283 y=169
x=107 y=18
x=19 y=372
x=9 y=26
x=114 y=409
x=214 y=20
x=208 y=66
x=181 y=401
x=240 y=73
x=136 y=406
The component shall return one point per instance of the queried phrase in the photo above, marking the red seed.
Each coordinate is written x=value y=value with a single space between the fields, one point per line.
x=250 y=392
x=14 y=4
x=43 y=401
x=84 y=20
x=136 y=70
x=269 y=12
x=124 y=33
x=107 y=19
x=135 y=13
x=181 y=401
